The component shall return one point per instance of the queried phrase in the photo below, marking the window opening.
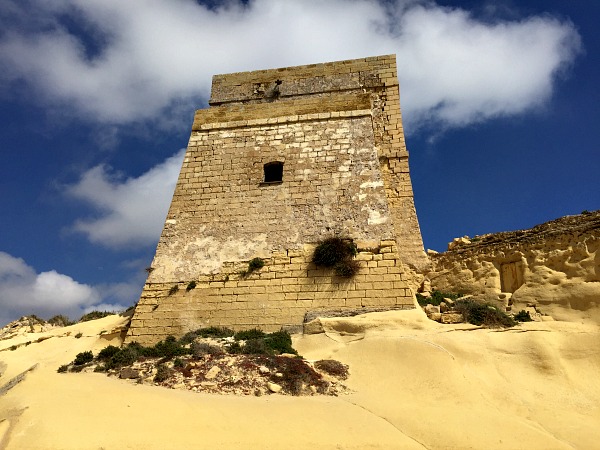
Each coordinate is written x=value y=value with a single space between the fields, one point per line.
x=273 y=172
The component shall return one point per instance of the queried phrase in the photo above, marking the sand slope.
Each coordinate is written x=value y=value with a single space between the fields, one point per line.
x=418 y=384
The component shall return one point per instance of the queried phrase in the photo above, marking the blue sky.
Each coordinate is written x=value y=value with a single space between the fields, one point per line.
x=500 y=103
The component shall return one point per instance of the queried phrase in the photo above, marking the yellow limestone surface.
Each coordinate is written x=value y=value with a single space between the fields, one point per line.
x=416 y=384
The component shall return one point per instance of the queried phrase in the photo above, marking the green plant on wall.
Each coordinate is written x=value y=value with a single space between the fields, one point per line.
x=173 y=289
x=337 y=253
x=253 y=265
x=191 y=285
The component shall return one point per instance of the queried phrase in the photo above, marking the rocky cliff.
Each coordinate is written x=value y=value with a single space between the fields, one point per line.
x=555 y=263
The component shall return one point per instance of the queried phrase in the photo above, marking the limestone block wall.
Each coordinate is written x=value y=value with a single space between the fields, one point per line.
x=556 y=263
x=278 y=295
x=222 y=212
x=336 y=129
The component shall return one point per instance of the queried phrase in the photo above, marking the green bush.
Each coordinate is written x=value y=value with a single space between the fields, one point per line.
x=256 y=347
x=280 y=342
x=162 y=373
x=347 y=268
x=60 y=320
x=249 y=334
x=191 y=285
x=255 y=264
x=83 y=358
x=108 y=352
x=178 y=362
x=199 y=349
x=259 y=343
x=173 y=290
x=235 y=348
x=188 y=337
x=33 y=319
x=93 y=315
x=168 y=348
x=523 y=316
x=479 y=313
x=436 y=298
x=63 y=368
x=78 y=335
x=125 y=356
x=214 y=332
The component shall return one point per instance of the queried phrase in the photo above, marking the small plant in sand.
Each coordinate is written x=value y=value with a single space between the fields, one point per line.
x=333 y=367
x=523 y=316
x=162 y=373
x=108 y=352
x=436 y=298
x=257 y=342
x=83 y=358
x=199 y=349
x=481 y=313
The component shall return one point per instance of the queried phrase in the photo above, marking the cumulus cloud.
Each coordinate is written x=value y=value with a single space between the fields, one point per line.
x=118 y=62
x=23 y=291
x=130 y=212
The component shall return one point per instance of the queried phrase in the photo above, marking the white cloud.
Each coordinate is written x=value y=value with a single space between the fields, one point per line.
x=139 y=58
x=23 y=291
x=131 y=211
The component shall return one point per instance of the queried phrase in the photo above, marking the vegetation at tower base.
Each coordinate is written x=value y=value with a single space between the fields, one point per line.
x=436 y=298
x=247 y=362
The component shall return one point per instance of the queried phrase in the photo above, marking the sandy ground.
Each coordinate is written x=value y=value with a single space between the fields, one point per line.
x=417 y=384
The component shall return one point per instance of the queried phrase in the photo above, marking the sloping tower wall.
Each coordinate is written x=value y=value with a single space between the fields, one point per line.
x=336 y=131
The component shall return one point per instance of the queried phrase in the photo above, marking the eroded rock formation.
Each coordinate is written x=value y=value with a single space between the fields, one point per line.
x=555 y=263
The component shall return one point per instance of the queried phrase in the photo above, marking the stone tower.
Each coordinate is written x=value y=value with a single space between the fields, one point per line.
x=281 y=160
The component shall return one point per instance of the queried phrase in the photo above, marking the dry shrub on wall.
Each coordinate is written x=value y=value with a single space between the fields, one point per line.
x=337 y=253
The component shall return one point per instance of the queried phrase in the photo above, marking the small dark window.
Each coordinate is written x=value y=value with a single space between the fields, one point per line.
x=274 y=172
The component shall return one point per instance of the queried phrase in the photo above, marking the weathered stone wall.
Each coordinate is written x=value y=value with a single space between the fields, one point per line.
x=556 y=263
x=278 y=295
x=337 y=129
